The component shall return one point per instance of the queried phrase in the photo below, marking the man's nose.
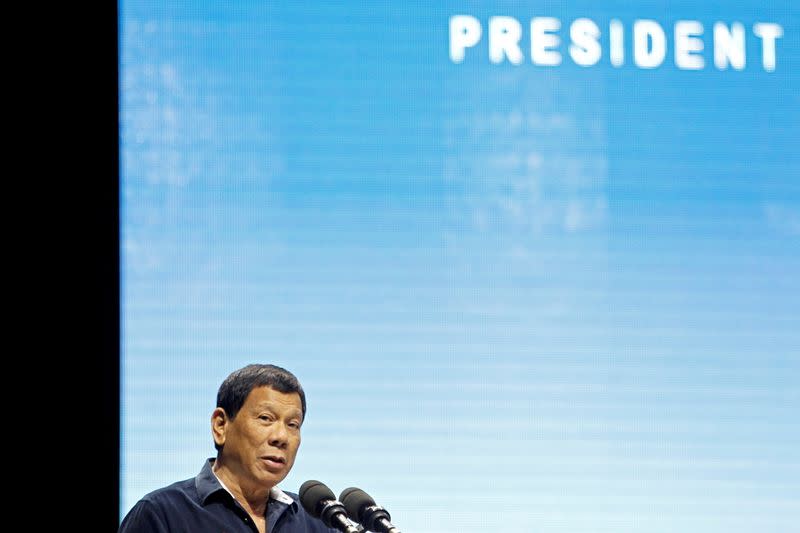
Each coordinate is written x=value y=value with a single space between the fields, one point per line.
x=279 y=437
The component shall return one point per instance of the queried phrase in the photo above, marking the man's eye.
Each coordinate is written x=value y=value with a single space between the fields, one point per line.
x=264 y=417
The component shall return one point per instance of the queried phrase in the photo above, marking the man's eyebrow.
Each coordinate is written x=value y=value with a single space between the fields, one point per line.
x=270 y=406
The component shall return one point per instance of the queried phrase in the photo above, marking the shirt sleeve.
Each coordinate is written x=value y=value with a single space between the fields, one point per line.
x=143 y=518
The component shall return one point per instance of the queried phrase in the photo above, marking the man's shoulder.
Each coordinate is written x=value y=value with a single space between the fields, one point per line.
x=156 y=510
x=179 y=489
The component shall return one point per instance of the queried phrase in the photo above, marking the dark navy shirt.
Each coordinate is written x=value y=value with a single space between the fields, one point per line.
x=202 y=505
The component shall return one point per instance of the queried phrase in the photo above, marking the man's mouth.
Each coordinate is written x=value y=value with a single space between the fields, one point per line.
x=274 y=459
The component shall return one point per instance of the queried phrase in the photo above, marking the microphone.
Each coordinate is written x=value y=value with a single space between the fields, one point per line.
x=319 y=501
x=361 y=505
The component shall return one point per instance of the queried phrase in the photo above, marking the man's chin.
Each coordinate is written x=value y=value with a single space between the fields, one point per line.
x=273 y=478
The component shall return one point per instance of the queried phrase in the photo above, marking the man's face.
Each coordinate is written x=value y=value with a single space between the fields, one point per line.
x=260 y=444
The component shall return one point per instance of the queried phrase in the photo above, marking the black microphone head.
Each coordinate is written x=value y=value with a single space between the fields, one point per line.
x=355 y=501
x=312 y=494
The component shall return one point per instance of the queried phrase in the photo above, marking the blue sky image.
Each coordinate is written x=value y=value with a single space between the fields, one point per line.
x=519 y=296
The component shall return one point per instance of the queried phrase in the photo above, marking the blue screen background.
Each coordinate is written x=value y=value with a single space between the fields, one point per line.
x=552 y=299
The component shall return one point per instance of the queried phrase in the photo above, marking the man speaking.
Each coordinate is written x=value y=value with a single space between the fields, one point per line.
x=256 y=429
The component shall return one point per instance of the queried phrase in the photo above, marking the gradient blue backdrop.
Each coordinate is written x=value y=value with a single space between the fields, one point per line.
x=520 y=298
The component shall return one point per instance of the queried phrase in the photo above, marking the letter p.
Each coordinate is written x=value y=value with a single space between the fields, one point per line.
x=465 y=31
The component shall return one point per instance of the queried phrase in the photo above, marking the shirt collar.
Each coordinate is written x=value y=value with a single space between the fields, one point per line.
x=279 y=496
x=208 y=484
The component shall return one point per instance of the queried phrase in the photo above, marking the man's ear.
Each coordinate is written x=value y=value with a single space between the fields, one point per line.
x=219 y=425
